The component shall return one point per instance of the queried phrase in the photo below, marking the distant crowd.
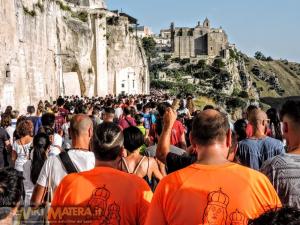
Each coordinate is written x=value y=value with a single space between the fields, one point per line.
x=149 y=160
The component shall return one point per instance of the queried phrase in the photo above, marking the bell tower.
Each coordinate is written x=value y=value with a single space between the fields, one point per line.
x=206 y=23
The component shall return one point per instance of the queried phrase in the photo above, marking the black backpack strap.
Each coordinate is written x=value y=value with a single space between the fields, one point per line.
x=128 y=122
x=67 y=163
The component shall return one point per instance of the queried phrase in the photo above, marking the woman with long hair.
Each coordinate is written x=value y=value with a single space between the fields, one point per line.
x=275 y=124
x=21 y=147
x=32 y=168
x=190 y=105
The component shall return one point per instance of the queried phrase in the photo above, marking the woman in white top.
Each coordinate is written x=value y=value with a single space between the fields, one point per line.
x=21 y=147
x=32 y=168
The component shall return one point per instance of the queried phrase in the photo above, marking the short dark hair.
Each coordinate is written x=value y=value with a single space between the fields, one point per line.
x=127 y=111
x=60 y=102
x=109 y=110
x=139 y=107
x=291 y=109
x=133 y=138
x=283 y=216
x=207 y=129
x=139 y=119
x=46 y=130
x=30 y=109
x=107 y=141
x=48 y=119
x=251 y=108
x=162 y=107
x=11 y=190
x=208 y=107
x=240 y=129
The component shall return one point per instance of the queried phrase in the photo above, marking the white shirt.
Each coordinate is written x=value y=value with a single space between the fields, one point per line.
x=54 y=151
x=58 y=140
x=118 y=112
x=22 y=155
x=28 y=185
x=10 y=130
x=67 y=143
x=53 y=167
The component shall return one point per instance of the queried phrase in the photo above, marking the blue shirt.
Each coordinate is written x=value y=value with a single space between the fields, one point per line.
x=253 y=152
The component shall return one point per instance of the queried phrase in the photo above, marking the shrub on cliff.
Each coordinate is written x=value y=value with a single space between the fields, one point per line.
x=159 y=84
x=218 y=63
x=149 y=46
x=236 y=103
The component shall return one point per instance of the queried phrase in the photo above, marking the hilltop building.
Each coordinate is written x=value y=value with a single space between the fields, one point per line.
x=201 y=40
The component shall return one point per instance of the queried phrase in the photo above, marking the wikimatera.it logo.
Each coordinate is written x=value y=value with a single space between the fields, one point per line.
x=72 y=214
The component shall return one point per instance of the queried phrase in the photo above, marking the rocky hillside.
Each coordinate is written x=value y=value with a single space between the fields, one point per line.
x=278 y=78
x=233 y=82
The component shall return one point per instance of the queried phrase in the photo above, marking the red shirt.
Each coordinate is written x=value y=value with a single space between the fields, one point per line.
x=249 y=130
x=127 y=122
x=177 y=131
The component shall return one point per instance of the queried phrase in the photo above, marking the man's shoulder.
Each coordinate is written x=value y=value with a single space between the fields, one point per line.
x=172 y=178
x=273 y=141
x=283 y=160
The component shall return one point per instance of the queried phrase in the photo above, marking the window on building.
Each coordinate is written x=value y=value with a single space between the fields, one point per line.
x=133 y=84
x=7 y=71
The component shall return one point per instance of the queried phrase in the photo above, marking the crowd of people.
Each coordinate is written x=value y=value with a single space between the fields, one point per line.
x=149 y=160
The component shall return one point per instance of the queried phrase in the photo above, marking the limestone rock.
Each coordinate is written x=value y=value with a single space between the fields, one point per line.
x=41 y=40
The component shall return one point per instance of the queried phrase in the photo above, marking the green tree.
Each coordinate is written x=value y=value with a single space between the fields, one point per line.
x=259 y=56
x=201 y=64
x=149 y=46
x=167 y=57
x=218 y=63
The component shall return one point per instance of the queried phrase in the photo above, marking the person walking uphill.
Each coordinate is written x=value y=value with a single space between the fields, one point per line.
x=259 y=147
x=213 y=190
x=113 y=197
x=54 y=169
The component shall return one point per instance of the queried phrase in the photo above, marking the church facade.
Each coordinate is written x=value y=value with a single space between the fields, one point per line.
x=202 y=40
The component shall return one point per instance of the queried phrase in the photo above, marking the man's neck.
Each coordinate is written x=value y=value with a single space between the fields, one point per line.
x=211 y=155
x=80 y=143
x=258 y=133
x=111 y=164
x=294 y=146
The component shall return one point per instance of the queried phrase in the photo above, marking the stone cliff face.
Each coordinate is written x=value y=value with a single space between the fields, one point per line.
x=41 y=40
x=126 y=57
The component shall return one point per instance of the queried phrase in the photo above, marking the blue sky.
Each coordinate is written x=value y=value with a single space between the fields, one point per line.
x=271 y=26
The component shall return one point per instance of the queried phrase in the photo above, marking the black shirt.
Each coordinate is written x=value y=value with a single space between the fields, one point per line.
x=4 y=136
x=177 y=162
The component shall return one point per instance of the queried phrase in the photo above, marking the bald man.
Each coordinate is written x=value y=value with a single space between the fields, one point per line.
x=82 y=159
x=258 y=148
x=212 y=190
x=283 y=170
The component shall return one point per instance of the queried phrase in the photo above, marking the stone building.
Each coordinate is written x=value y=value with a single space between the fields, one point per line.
x=51 y=48
x=201 y=40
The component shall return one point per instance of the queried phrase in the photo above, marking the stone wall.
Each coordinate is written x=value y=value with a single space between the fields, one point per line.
x=127 y=62
x=28 y=44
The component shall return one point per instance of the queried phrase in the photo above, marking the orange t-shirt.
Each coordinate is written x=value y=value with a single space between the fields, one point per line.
x=100 y=196
x=227 y=194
